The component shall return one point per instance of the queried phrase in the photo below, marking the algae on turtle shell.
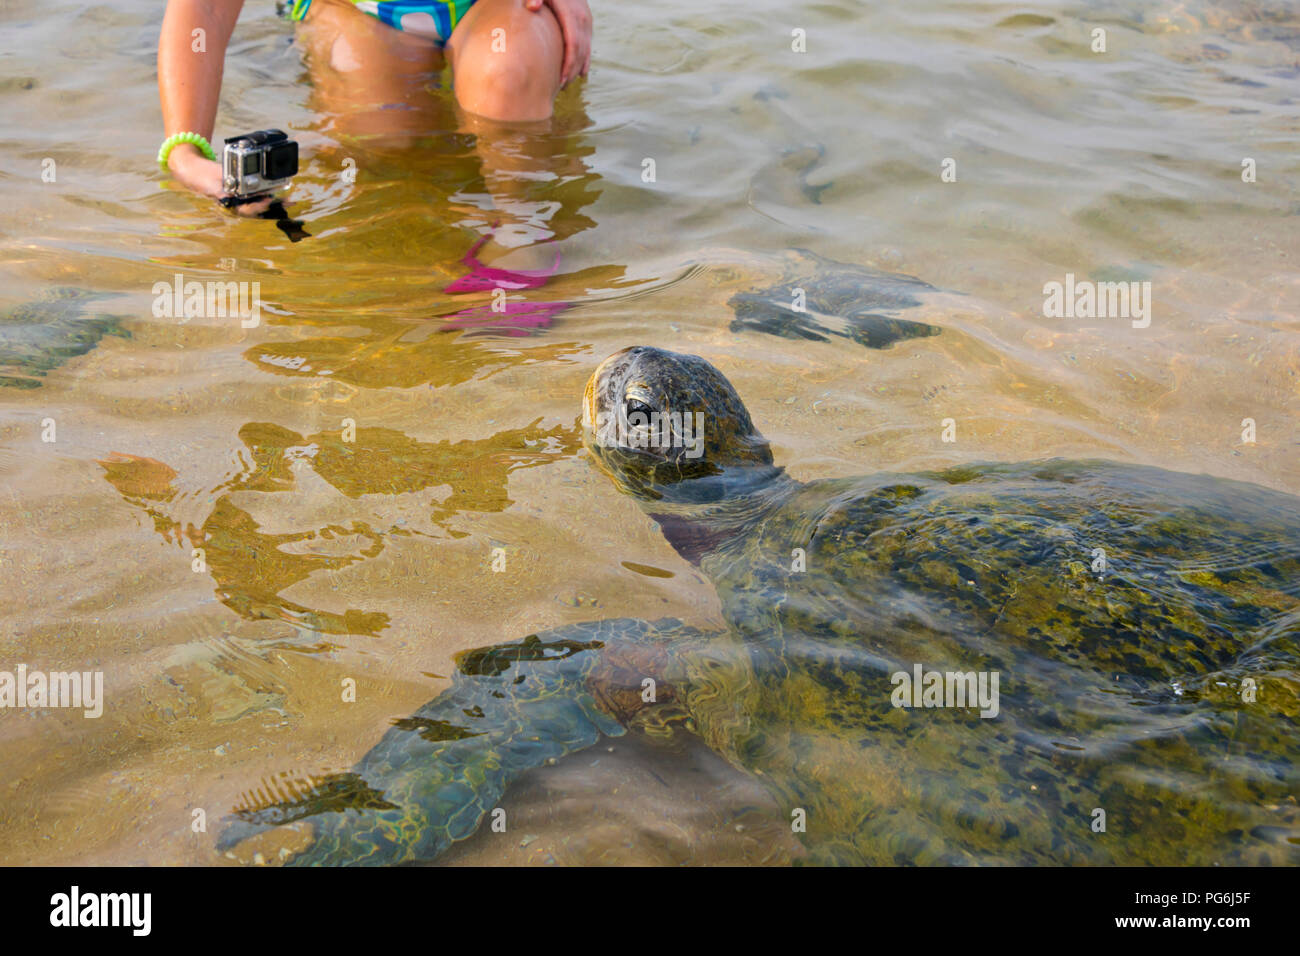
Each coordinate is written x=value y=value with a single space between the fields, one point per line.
x=41 y=335
x=1147 y=708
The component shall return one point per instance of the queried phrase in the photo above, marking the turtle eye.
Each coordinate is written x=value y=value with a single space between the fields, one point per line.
x=637 y=407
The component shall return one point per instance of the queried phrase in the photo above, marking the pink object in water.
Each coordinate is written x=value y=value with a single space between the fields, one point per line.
x=483 y=278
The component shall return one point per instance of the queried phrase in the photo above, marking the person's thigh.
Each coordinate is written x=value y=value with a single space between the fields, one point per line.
x=361 y=69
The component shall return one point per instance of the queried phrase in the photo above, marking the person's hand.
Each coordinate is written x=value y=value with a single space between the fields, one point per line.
x=574 y=17
x=195 y=171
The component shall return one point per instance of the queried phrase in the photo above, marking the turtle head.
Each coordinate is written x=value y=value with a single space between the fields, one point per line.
x=669 y=427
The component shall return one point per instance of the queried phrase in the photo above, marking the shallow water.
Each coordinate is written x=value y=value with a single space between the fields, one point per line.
x=372 y=560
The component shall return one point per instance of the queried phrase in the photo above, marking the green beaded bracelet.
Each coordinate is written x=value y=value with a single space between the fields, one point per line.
x=194 y=139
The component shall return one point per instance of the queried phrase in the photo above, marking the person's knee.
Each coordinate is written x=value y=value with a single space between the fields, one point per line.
x=506 y=78
x=511 y=70
x=343 y=57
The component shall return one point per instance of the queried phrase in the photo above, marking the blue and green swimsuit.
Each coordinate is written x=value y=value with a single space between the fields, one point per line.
x=434 y=19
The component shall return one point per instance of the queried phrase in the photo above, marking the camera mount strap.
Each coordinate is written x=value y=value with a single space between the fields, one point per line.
x=290 y=227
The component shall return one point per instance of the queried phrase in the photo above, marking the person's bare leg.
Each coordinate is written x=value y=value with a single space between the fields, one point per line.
x=360 y=65
x=361 y=68
x=506 y=61
x=506 y=66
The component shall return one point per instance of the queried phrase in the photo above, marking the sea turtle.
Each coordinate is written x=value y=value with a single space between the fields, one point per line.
x=1143 y=627
x=40 y=335
x=817 y=297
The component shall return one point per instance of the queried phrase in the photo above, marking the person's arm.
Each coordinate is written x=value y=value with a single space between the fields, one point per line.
x=189 y=85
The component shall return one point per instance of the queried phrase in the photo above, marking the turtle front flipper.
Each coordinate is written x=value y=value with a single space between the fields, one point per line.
x=39 y=336
x=436 y=774
x=819 y=297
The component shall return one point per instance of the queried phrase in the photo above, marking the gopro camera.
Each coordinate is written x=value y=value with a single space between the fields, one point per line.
x=255 y=164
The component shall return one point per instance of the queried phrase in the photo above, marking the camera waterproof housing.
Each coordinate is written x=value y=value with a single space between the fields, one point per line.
x=255 y=164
